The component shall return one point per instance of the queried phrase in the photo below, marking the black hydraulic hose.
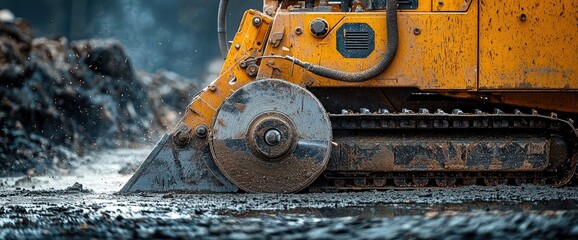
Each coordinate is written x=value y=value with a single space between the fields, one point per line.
x=392 y=42
x=222 y=28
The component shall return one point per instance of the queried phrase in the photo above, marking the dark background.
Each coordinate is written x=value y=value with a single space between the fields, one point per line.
x=175 y=35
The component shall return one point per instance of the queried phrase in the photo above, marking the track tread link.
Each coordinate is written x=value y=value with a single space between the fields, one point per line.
x=457 y=119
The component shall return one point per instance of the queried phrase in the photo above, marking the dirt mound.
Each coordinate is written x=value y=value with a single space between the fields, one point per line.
x=59 y=99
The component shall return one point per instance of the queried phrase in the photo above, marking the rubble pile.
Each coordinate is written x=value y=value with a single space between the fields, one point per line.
x=59 y=99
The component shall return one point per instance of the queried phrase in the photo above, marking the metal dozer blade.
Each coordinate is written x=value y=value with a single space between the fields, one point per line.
x=181 y=169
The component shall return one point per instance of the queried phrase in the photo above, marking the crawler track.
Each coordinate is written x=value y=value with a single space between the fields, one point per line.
x=408 y=150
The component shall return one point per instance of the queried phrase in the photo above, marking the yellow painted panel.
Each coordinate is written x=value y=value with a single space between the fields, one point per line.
x=529 y=45
x=451 y=5
x=442 y=56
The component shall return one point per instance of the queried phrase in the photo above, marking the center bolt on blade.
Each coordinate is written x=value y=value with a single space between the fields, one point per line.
x=272 y=137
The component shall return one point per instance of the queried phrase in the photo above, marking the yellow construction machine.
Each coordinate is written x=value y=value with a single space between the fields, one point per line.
x=348 y=95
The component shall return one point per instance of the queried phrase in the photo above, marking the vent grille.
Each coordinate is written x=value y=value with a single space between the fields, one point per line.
x=357 y=40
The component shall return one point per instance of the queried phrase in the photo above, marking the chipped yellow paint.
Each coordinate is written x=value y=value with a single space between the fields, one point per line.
x=528 y=45
x=442 y=56
x=451 y=5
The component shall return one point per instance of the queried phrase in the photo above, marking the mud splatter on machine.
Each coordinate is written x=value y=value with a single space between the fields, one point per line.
x=350 y=95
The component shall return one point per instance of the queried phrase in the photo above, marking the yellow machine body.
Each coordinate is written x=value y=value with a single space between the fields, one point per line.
x=469 y=49
x=507 y=53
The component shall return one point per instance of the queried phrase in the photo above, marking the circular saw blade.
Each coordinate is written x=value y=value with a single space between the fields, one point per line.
x=276 y=109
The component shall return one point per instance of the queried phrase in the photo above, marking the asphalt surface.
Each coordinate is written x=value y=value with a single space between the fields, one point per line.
x=472 y=212
x=57 y=207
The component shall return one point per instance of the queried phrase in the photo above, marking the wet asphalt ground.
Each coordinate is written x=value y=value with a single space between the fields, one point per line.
x=53 y=207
